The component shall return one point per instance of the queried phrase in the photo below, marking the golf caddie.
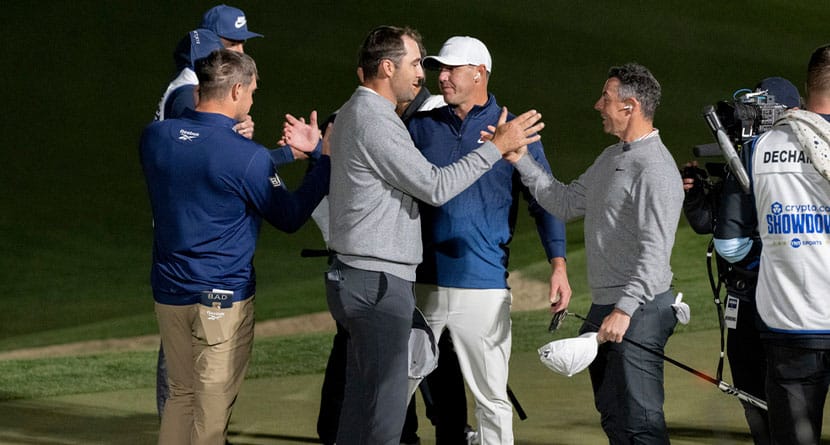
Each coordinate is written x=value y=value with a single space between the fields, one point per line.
x=210 y=188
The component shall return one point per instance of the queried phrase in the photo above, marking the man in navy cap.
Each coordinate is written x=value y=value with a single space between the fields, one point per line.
x=230 y=25
x=180 y=93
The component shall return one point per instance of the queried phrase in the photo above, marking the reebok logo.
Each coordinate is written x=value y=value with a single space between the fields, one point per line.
x=187 y=136
x=240 y=22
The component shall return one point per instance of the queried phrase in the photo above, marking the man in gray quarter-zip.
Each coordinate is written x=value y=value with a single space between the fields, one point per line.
x=630 y=199
x=377 y=179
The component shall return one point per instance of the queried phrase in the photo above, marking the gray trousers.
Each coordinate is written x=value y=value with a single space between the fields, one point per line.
x=375 y=309
x=627 y=381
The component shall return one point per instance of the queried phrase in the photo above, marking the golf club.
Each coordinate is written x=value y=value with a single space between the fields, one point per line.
x=723 y=386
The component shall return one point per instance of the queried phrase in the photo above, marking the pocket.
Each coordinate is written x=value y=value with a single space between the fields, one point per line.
x=219 y=316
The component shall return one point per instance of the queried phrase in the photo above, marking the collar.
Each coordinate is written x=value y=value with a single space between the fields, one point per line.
x=212 y=119
x=477 y=109
x=362 y=88
x=626 y=146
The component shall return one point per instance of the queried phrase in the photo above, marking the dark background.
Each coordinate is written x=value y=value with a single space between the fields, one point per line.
x=82 y=78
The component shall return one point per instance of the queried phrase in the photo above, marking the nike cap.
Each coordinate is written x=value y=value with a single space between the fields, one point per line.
x=458 y=51
x=228 y=22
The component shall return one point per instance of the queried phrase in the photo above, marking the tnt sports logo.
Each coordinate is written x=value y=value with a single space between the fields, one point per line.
x=795 y=243
x=776 y=208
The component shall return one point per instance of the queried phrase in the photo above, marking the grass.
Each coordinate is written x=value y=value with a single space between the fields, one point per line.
x=307 y=354
x=277 y=409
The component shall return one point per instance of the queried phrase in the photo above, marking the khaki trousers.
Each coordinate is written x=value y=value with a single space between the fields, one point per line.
x=204 y=376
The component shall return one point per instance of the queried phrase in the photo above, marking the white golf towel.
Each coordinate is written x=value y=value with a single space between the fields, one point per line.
x=813 y=133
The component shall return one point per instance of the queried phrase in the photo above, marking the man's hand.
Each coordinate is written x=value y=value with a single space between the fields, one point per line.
x=514 y=156
x=614 y=326
x=245 y=127
x=692 y=176
x=299 y=134
x=519 y=132
x=560 y=288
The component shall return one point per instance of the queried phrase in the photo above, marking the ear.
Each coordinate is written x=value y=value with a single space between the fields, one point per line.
x=236 y=90
x=480 y=73
x=387 y=67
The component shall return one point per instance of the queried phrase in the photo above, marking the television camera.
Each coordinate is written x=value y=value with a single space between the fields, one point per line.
x=732 y=123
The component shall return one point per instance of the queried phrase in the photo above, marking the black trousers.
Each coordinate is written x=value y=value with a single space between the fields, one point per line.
x=797 y=383
x=748 y=362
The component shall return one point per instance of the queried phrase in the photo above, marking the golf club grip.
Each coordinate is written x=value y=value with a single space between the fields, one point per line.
x=519 y=410
x=743 y=395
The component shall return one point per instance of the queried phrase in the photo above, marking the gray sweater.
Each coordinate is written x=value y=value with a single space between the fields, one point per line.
x=631 y=199
x=377 y=176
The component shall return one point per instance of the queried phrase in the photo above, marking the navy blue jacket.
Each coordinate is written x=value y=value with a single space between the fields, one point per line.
x=466 y=240
x=209 y=190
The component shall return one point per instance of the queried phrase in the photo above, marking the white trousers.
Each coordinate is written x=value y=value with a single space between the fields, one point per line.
x=480 y=328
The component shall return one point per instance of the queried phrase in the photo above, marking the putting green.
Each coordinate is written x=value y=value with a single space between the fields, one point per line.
x=283 y=411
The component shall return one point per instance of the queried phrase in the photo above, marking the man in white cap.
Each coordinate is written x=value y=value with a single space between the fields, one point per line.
x=230 y=25
x=462 y=282
x=377 y=179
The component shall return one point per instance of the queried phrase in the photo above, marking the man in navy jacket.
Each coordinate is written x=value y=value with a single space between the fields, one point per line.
x=463 y=278
x=209 y=189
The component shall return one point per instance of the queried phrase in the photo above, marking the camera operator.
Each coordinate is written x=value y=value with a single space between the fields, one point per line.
x=723 y=209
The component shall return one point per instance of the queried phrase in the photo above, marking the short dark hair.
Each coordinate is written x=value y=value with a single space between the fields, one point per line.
x=637 y=81
x=384 y=42
x=221 y=70
x=818 y=70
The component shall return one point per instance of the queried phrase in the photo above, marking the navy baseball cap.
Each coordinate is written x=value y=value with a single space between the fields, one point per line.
x=228 y=22
x=784 y=91
x=197 y=44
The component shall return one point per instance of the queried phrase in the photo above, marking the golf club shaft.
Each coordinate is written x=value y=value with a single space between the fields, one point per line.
x=723 y=386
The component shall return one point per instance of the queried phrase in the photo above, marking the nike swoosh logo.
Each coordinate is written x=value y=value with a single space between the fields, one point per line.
x=479 y=141
x=240 y=22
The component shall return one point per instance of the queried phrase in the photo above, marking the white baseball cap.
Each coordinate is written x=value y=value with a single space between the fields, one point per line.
x=459 y=51
x=570 y=355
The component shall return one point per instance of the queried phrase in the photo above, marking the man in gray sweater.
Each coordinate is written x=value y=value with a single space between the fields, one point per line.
x=377 y=178
x=631 y=199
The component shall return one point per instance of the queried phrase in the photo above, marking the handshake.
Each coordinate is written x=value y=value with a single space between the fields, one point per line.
x=511 y=138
